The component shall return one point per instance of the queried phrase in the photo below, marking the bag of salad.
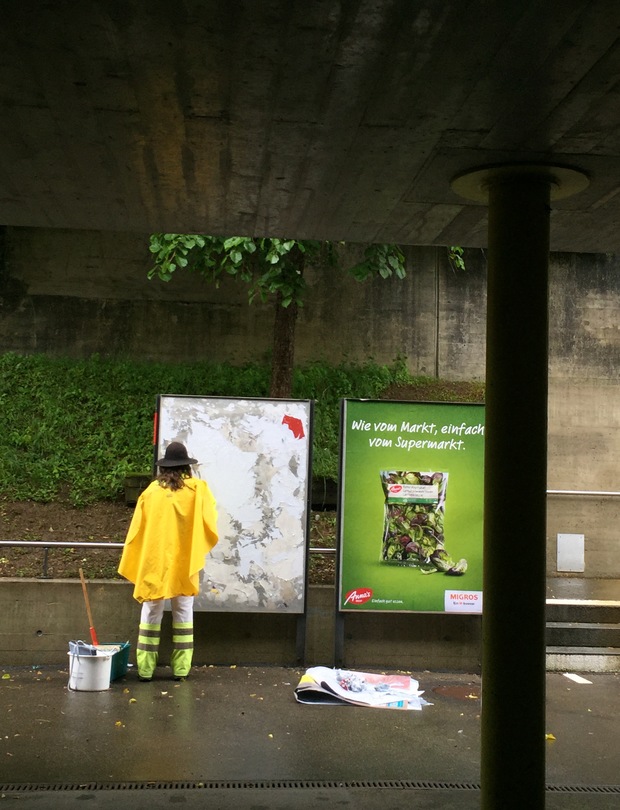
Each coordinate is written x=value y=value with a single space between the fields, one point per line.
x=413 y=531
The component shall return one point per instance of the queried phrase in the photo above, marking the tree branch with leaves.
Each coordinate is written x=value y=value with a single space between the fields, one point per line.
x=273 y=269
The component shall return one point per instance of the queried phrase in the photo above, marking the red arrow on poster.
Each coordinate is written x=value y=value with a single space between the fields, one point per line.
x=295 y=425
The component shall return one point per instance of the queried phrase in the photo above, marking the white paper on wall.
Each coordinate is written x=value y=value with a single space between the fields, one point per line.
x=254 y=454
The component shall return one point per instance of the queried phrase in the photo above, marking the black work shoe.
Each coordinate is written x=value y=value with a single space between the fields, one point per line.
x=145 y=678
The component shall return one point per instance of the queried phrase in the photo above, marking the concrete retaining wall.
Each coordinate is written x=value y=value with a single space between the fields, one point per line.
x=75 y=293
x=40 y=617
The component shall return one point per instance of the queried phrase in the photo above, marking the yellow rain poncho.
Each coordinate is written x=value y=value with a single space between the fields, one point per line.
x=170 y=533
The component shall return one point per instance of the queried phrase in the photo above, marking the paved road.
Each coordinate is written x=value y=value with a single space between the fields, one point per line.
x=236 y=737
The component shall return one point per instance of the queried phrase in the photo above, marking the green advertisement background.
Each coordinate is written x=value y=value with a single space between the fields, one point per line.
x=361 y=515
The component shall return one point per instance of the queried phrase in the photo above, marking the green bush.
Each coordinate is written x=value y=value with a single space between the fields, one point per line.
x=72 y=430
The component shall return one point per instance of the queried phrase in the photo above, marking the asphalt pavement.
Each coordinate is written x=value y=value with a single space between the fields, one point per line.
x=236 y=737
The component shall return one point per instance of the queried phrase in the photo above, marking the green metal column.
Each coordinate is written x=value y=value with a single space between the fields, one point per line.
x=513 y=659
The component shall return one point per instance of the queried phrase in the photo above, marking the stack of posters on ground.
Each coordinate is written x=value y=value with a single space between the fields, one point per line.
x=324 y=686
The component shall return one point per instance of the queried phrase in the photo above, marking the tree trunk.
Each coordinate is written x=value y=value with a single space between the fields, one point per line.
x=283 y=358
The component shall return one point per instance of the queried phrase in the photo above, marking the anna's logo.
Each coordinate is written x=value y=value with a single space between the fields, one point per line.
x=358 y=596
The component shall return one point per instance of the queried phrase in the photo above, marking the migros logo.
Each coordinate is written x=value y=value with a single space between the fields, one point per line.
x=463 y=596
x=358 y=596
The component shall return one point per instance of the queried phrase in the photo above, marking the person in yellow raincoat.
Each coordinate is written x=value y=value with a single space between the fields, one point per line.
x=173 y=527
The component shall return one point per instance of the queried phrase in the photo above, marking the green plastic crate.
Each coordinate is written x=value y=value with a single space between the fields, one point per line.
x=120 y=659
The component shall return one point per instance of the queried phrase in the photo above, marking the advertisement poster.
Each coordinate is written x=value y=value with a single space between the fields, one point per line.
x=411 y=507
x=255 y=456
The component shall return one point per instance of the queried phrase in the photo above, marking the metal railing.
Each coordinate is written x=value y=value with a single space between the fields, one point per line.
x=595 y=493
x=47 y=545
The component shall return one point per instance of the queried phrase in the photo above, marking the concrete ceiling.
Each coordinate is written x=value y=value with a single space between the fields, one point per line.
x=304 y=118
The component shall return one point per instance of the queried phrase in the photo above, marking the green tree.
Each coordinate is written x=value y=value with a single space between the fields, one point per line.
x=272 y=268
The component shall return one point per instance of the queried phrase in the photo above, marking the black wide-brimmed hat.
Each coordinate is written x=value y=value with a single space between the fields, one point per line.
x=175 y=455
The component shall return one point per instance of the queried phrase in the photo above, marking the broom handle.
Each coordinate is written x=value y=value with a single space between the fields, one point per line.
x=93 y=635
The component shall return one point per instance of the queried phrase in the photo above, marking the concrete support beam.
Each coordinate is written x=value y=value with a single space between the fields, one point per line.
x=513 y=626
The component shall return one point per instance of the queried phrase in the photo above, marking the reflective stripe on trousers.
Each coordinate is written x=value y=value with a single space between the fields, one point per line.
x=149 y=633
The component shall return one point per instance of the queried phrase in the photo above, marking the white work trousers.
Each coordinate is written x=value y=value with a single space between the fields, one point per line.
x=182 y=610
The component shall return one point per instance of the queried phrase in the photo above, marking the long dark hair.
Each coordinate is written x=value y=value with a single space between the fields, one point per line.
x=173 y=477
